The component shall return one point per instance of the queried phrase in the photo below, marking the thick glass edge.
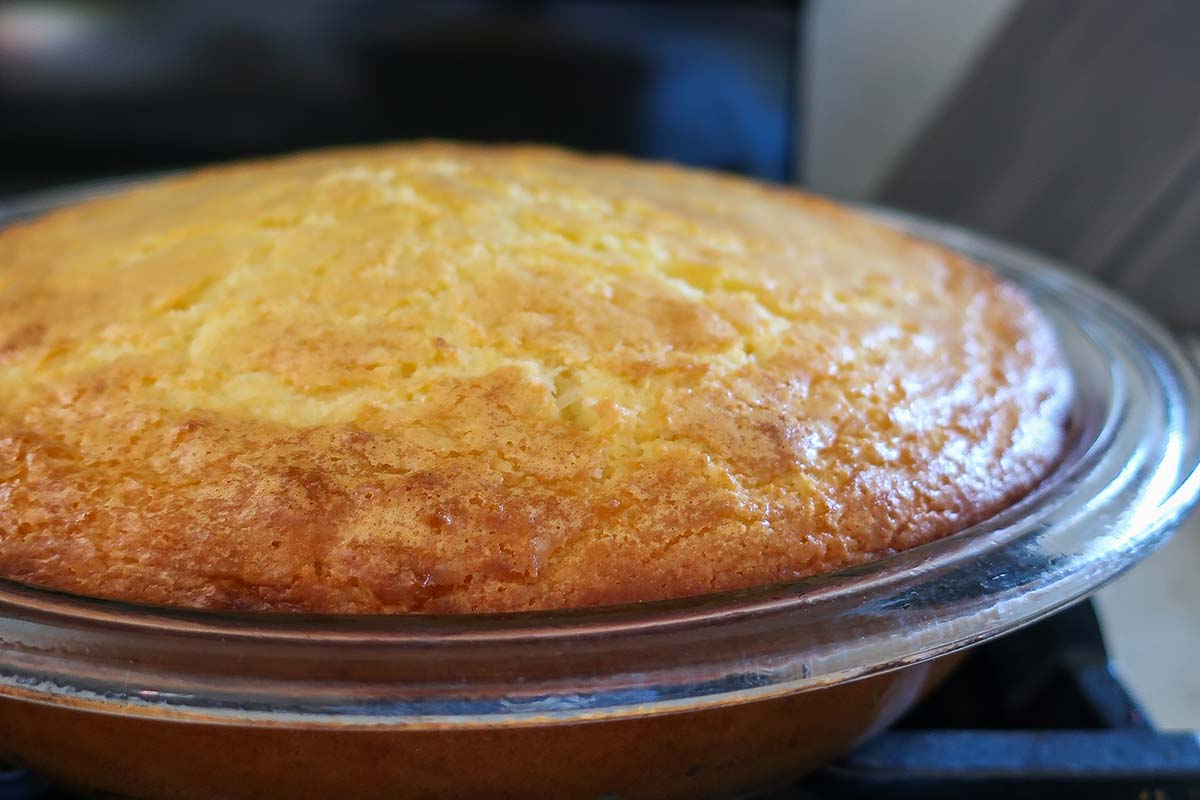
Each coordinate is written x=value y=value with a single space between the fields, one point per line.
x=1176 y=480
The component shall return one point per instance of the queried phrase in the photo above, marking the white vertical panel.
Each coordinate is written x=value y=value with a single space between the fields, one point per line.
x=875 y=70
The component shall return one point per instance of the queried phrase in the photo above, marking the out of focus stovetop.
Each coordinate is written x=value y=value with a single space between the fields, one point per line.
x=1036 y=714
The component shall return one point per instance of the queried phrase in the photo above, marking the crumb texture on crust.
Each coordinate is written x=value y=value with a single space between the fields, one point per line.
x=446 y=379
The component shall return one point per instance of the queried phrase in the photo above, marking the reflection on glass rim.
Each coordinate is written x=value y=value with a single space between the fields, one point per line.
x=1130 y=474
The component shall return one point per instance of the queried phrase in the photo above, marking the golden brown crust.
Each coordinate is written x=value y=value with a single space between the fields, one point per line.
x=445 y=378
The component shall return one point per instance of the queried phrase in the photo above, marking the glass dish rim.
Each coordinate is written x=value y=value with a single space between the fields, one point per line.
x=43 y=611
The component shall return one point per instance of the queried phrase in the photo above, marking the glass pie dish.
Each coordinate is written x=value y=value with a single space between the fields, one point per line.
x=715 y=695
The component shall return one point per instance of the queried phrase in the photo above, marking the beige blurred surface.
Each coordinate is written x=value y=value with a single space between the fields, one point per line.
x=875 y=72
x=1151 y=621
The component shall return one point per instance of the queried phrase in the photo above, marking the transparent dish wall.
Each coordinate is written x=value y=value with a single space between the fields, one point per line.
x=1129 y=476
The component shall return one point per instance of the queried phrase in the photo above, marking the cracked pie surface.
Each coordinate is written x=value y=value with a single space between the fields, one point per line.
x=439 y=378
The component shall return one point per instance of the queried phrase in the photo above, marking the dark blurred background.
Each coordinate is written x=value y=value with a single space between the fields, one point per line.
x=123 y=86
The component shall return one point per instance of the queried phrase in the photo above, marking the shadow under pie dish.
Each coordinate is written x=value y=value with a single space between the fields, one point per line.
x=420 y=386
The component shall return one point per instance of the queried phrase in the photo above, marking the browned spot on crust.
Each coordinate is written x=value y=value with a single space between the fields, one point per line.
x=29 y=334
